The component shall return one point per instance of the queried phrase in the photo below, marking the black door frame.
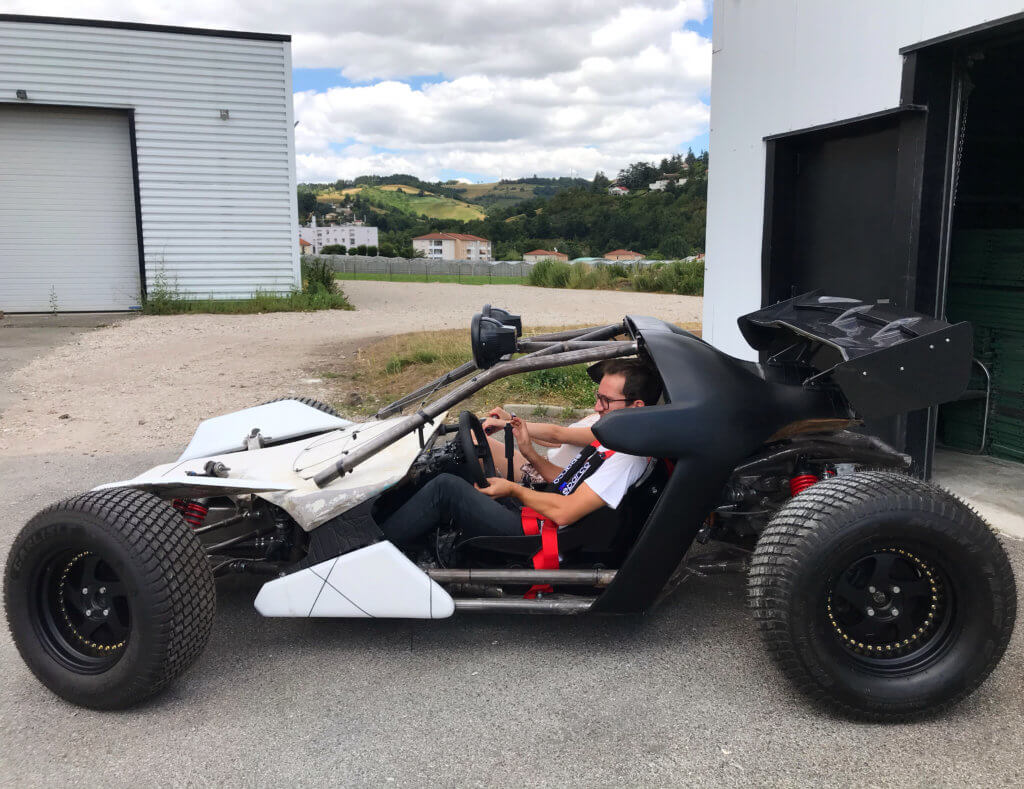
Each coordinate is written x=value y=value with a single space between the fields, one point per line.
x=932 y=90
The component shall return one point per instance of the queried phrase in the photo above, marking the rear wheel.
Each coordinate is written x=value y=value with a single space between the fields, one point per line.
x=109 y=597
x=882 y=595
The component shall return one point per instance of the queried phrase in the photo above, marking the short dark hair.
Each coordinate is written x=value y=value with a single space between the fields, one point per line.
x=642 y=381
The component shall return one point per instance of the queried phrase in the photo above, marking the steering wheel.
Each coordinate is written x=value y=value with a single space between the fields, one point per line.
x=470 y=428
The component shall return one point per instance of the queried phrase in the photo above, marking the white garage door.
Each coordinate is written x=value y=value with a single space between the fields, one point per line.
x=68 y=239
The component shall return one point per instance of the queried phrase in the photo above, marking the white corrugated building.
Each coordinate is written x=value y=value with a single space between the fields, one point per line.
x=139 y=156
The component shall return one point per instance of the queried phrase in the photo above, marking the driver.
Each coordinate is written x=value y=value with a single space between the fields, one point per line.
x=597 y=477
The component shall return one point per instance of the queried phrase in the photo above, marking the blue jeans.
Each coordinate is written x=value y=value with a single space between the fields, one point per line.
x=450 y=499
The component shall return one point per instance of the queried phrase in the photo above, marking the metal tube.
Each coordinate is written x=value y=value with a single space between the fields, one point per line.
x=608 y=350
x=450 y=377
x=561 y=577
x=564 y=345
x=568 y=334
x=521 y=606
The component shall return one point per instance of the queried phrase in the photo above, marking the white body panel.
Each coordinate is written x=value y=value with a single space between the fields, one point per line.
x=283 y=474
x=85 y=257
x=276 y=421
x=375 y=581
x=785 y=65
x=218 y=201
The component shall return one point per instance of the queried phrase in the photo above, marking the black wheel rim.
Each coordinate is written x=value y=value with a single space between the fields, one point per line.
x=891 y=610
x=81 y=610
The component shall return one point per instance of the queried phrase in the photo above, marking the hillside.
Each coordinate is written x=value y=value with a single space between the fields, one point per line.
x=406 y=199
x=505 y=194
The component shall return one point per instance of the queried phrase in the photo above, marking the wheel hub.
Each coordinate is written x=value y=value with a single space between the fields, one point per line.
x=89 y=600
x=886 y=604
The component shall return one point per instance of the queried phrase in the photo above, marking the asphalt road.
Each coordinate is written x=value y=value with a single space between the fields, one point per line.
x=684 y=696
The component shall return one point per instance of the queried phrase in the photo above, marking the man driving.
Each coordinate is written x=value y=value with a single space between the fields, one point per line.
x=597 y=477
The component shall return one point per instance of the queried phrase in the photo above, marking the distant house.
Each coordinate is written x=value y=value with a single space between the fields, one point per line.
x=453 y=246
x=542 y=254
x=623 y=254
x=305 y=247
x=662 y=183
x=618 y=191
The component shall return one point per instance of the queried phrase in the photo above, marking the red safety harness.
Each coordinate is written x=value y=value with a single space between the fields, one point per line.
x=583 y=465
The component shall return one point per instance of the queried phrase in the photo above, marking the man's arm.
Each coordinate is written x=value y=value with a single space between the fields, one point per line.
x=563 y=510
x=524 y=439
x=548 y=434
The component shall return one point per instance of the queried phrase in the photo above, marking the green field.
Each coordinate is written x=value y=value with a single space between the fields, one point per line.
x=496 y=195
x=460 y=279
x=406 y=200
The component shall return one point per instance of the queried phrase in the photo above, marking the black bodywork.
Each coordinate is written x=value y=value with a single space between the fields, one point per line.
x=721 y=414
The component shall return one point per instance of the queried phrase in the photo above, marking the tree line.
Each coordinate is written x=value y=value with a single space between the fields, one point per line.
x=581 y=221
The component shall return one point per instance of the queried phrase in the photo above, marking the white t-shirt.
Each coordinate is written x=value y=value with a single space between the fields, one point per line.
x=563 y=454
x=615 y=476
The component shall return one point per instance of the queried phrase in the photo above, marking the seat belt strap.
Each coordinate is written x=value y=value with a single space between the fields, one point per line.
x=547 y=557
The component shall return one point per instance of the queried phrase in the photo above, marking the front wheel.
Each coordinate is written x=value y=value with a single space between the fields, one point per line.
x=882 y=595
x=109 y=597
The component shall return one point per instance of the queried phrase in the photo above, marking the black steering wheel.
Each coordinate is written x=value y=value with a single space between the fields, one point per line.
x=470 y=428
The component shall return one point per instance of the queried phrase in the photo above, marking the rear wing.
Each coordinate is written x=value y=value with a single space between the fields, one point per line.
x=885 y=360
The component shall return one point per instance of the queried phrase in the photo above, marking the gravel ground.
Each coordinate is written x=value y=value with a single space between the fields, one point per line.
x=149 y=380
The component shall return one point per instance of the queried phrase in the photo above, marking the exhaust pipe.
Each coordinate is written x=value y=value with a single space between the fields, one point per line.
x=519 y=605
x=598 y=578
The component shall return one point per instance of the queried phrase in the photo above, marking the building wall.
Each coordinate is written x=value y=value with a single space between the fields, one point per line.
x=346 y=235
x=217 y=196
x=784 y=65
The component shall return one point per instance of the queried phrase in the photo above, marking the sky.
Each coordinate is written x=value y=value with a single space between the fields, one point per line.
x=470 y=89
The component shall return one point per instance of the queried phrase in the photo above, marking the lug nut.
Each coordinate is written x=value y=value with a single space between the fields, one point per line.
x=871 y=589
x=85 y=590
x=895 y=590
x=88 y=612
x=895 y=612
x=871 y=612
x=106 y=612
x=103 y=590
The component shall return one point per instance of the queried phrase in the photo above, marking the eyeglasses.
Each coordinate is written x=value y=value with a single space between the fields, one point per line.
x=604 y=402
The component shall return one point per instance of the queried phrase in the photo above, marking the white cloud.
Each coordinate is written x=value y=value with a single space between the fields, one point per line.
x=536 y=87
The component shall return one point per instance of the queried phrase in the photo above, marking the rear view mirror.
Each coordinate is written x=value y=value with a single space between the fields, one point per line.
x=490 y=340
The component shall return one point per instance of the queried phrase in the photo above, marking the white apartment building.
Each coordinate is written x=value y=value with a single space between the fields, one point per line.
x=346 y=235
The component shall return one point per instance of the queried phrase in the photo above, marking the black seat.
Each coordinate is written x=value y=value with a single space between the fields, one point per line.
x=594 y=538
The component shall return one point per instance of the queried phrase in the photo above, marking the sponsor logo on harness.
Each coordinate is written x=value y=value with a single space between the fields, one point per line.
x=567 y=487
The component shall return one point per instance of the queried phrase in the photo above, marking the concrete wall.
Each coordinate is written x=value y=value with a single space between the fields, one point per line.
x=784 y=65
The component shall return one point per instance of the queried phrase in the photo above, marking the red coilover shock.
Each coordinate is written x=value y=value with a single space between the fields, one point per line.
x=193 y=512
x=801 y=482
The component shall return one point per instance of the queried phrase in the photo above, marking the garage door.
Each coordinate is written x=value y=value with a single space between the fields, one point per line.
x=68 y=239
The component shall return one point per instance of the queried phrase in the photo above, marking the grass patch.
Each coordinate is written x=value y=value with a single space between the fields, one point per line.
x=458 y=279
x=683 y=277
x=319 y=292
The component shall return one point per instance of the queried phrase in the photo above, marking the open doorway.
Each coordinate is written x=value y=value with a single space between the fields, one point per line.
x=985 y=283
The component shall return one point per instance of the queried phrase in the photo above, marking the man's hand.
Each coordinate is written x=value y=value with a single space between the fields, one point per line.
x=499 y=413
x=498 y=488
x=522 y=435
x=492 y=425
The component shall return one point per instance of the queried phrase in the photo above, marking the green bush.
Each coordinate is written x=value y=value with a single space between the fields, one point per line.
x=551 y=274
x=685 y=277
x=317 y=276
x=333 y=249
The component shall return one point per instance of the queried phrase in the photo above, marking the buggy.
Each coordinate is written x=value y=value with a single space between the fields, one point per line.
x=876 y=592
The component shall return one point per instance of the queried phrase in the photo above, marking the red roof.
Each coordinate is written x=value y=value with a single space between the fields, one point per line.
x=622 y=252
x=304 y=243
x=449 y=237
x=546 y=252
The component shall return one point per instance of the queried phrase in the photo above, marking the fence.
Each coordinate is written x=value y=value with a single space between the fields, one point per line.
x=428 y=269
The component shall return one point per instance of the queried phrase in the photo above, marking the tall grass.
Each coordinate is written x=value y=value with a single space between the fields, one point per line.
x=685 y=277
